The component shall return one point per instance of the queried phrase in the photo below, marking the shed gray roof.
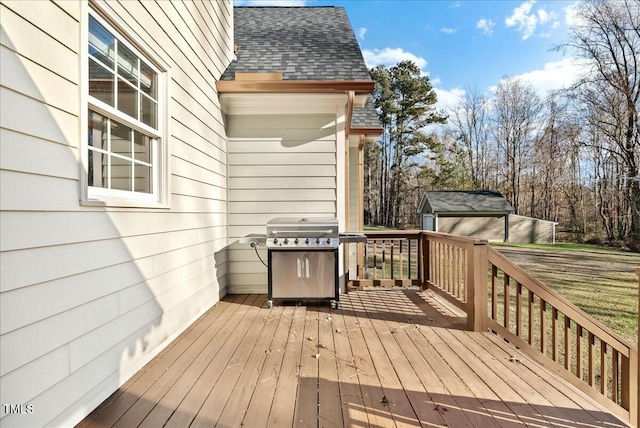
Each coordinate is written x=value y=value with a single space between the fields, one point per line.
x=303 y=43
x=458 y=201
x=365 y=117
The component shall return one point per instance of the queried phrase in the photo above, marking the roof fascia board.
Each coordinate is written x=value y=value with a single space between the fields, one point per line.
x=359 y=87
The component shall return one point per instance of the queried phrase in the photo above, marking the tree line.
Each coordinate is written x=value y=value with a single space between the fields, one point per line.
x=572 y=156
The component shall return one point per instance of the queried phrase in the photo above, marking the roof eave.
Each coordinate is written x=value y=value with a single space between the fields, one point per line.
x=368 y=130
x=295 y=86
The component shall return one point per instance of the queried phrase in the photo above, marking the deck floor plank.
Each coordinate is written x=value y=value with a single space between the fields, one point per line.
x=260 y=405
x=306 y=410
x=219 y=394
x=372 y=392
x=243 y=364
x=239 y=398
x=329 y=400
x=284 y=401
x=210 y=366
x=351 y=401
x=389 y=363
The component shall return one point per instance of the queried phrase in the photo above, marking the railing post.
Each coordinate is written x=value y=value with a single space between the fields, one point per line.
x=634 y=409
x=426 y=251
x=476 y=286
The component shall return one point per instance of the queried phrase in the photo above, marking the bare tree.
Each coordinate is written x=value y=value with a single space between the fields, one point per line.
x=517 y=110
x=607 y=36
x=470 y=119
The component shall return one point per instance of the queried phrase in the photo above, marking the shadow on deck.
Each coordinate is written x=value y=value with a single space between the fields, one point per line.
x=385 y=358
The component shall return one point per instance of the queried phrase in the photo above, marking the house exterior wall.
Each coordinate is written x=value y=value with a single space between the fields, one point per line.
x=279 y=165
x=489 y=228
x=90 y=294
x=527 y=230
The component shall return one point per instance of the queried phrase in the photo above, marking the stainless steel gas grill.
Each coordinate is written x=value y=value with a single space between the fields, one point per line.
x=303 y=258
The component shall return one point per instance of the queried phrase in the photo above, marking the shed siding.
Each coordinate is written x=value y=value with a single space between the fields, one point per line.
x=278 y=166
x=89 y=294
x=489 y=228
x=527 y=230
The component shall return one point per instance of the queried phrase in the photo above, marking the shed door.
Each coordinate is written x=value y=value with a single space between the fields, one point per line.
x=427 y=222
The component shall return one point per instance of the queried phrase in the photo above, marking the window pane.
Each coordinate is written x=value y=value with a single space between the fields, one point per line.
x=148 y=80
x=100 y=82
x=97 y=169
x=120 y=173
x=120 y=139
x=148 y=112
x=101 y=43
x=127 y=64
x=142 y=147
x=143 y=178
x=97 y=130
x=127 y=99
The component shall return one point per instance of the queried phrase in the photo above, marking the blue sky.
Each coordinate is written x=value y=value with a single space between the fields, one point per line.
x=458 y=43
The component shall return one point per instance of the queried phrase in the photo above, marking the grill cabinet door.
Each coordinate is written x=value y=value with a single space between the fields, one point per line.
x=288 y=271
x=319 y=272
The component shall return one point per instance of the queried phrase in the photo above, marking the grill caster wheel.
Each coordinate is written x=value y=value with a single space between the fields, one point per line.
x=269 y=304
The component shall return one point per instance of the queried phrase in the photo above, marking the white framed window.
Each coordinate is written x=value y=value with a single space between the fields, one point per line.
x=125 y=154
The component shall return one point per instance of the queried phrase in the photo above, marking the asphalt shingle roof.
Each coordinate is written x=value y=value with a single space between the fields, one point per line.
x=365 y=117
x=465 y=201
x=303 y=43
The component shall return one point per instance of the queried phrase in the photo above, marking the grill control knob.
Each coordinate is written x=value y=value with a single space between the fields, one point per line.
x=317 y=240
x=296 y=241
x=328 y=240
x=275 y=240
x=306 y=241
x=286 y=240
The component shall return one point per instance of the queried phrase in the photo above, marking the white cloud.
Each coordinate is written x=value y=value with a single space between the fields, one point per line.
x=526 y=20
x=361 y=32
x=554 y=75
x=448 y=30
x=486 y=25
x=390 y=57
x=571 y=17
x=449 y=99
x=270 y=2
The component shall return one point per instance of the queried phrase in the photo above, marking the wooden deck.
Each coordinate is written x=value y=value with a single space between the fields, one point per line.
x=385 y=358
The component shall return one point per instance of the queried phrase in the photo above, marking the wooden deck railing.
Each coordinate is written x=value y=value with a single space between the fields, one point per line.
x=499 y=296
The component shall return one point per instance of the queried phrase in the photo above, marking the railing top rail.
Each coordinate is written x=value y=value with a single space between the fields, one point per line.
x=569 y=309
x=454 y=238
x=391 y=234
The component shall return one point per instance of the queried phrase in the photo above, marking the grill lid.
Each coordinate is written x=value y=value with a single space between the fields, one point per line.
x=286 y=232
x=285 y=227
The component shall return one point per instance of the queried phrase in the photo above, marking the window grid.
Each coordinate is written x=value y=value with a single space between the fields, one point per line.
x=124 y=94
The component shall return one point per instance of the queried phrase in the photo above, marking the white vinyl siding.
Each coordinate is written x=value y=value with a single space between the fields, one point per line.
x=278 y=166
x=89 y=294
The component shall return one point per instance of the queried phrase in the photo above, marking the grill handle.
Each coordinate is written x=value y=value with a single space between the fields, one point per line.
x=306 y=267
x=298 y=267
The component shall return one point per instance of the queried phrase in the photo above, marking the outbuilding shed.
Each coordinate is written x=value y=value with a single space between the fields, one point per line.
x=481 y=214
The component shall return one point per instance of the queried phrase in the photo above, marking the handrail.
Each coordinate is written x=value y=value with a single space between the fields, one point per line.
x=616 y=364
x=466 y=272
x=572 y=311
